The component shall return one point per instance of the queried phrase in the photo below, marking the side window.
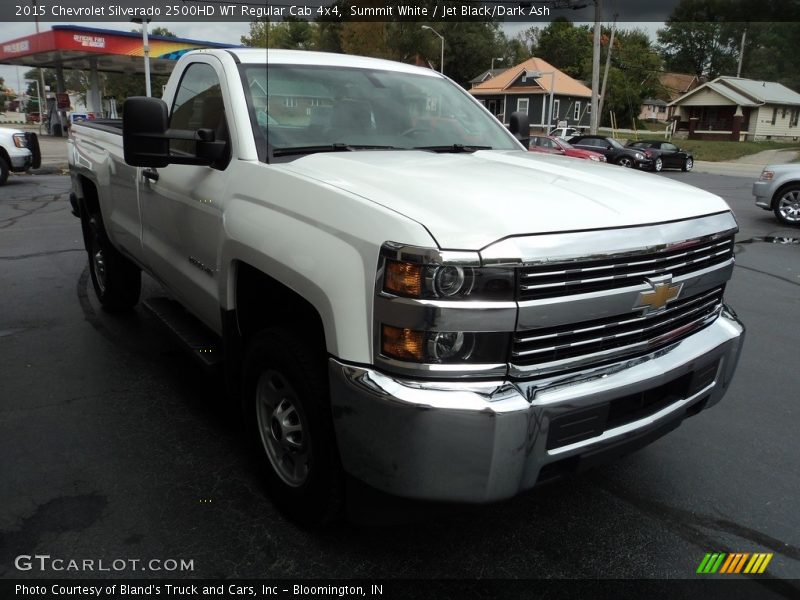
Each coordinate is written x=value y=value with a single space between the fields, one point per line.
x=669 y=147
x=198 y=105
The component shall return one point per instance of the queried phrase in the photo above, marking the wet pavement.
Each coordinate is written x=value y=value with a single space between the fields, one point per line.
x=115 y=445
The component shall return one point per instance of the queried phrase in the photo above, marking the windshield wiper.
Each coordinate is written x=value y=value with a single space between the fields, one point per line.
x=337 y=147
x=453 y=149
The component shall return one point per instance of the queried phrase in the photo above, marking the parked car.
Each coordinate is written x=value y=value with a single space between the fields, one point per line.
x=19 y=151
x=778 y=190
x=554 y=145
x=614 y=151
x=564 y=132
x=665 y=155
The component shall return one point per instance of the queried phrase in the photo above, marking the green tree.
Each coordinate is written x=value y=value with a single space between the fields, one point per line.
x=3 y=95
x=632 y=77
x=292 y=33
x=566 y=47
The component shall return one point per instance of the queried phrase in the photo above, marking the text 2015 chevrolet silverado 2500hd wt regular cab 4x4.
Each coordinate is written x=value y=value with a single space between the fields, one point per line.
x=400 y=290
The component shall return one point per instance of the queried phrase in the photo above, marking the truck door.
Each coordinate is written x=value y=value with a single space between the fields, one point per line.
x=182 y=204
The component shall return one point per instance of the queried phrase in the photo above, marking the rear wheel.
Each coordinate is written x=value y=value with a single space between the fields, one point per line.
x=287 y=413
x=116 y=280
x=688 y=163
x=787 y=205
x=4 y=169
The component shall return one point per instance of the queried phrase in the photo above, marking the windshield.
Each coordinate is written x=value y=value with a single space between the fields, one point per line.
x=614 y=143
x=315 y=108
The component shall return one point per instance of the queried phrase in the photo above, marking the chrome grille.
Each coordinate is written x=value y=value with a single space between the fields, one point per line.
x=568 y=278
x=617 y=336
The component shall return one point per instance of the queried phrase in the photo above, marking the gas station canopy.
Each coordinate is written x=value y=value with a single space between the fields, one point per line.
x=71 y=47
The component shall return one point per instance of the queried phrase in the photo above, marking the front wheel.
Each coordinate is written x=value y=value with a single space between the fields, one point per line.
x=287 y=413
x=658 y=164
x=116 y=280
x=625 y=162
x=687 y=165
x=787 y=205
x=4 y=170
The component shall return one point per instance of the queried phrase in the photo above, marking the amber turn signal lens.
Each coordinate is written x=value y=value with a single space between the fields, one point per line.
x=405 y=344
x=403 y=279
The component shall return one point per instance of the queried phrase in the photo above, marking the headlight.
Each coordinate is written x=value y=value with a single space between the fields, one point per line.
x=597 y=158
x=20 y=141
x=767 y=175
x=447 y=282
x=440 y=311
x=443 y=347
x=639 y=156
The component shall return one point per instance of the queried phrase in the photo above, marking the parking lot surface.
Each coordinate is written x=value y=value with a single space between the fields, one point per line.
x=115 y=445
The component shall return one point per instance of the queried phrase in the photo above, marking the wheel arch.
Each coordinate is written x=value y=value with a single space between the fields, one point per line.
x=782 y=189
x=261 y=301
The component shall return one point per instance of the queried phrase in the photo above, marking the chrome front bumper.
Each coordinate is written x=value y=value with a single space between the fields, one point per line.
x=484 y=441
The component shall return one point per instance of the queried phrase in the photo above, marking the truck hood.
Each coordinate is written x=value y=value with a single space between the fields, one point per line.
x=468 y=201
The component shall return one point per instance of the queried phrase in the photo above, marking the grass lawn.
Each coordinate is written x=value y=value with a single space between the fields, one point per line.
x=718 y=151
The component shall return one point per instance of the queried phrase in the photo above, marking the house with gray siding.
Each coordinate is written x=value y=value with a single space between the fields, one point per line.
x=527 y=87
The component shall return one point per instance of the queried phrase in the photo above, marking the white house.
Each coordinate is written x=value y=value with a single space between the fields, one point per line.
x=732 y=108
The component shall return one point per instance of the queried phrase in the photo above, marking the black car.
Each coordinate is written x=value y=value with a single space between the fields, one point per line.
x=613 y=151
x=669 y=154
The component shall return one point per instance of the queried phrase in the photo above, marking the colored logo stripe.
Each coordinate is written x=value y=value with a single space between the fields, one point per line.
x=736 y=562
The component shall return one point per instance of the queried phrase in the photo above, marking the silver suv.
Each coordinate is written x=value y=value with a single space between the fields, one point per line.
x=778 y=190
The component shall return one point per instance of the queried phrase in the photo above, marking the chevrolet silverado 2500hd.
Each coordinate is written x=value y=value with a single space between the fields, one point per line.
x=395 y=288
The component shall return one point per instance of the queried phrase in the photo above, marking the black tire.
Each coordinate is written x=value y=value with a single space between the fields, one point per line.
x=786 y=205
x=688 y=164
x=625 y=161
x=116 y=280
x=4 y=170
x=658 y=164
x=287 y=414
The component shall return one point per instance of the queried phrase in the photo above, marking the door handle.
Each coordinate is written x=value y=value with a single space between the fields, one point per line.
x=150 y=174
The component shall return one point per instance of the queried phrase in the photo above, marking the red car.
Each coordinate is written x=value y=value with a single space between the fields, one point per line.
x=554 y=145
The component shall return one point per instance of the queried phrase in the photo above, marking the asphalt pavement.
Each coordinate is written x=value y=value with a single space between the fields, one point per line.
x=115 y=445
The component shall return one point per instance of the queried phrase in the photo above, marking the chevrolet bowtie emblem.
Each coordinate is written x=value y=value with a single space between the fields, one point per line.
x=663 y=292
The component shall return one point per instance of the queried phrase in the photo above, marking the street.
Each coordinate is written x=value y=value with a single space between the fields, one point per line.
x=115 y=445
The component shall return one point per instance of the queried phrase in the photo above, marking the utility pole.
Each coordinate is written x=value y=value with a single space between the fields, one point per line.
x=741 y=53
x=42 y=91
x=605 y=74
x=598 y=9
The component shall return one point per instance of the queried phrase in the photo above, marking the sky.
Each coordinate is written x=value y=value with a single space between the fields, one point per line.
x=229 y=33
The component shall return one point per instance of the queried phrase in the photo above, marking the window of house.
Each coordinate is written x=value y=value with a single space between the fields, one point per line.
x=556 y=109
x=290 y=102
x=774 y=115
x=522 y=105
x=576 y=114
x=794 y=118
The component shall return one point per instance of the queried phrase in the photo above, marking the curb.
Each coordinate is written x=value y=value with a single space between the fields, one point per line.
x=57 y=169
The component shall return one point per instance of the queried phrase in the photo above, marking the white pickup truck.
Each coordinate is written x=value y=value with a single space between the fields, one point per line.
x=395 y=288
x=19 y=151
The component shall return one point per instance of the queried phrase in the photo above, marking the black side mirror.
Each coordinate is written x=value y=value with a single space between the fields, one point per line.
x=520 y=126
x=144 y=125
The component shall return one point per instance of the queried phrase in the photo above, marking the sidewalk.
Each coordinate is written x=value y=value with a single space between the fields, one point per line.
x=746 y=166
